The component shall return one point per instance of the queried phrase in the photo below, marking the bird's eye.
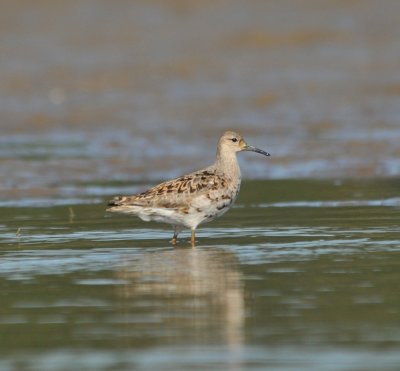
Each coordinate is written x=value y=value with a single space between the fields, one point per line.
x=234 y=140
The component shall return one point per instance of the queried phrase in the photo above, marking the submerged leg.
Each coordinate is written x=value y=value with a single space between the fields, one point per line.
x=177 y=230
x=193 y=239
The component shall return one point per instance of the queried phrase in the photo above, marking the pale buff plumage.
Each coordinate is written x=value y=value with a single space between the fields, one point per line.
x=195 y=198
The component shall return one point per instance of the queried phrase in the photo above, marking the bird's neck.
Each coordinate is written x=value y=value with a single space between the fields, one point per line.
x=227 y=163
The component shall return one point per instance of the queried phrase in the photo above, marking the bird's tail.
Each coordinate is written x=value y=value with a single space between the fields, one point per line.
x=117 y=202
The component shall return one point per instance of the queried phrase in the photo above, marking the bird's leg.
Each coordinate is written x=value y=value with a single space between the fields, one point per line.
x=175 y=236
x=193 y=239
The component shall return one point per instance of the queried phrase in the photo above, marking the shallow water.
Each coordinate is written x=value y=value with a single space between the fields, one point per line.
x=299 y=275
x=99 y=99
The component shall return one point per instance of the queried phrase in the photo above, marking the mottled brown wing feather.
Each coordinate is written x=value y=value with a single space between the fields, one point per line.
x=176 y=192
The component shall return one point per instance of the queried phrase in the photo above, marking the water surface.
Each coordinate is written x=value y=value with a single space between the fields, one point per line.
x=299 y=275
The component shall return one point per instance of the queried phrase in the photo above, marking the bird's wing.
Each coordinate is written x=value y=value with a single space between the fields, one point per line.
x=177 y=192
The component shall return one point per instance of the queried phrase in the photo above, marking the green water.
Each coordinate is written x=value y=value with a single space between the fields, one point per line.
x=300 y=275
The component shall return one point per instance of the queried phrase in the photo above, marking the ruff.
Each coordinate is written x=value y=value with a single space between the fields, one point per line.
x=195 y=198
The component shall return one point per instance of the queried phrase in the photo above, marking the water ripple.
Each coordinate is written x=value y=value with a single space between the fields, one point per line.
x=390 y=202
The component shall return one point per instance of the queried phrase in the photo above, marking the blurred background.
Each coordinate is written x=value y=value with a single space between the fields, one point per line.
x=94 y=91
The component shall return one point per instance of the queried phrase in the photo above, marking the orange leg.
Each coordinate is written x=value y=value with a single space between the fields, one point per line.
x=193 y=239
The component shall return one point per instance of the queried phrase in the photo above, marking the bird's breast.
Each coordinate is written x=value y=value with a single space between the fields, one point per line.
x=215 y=202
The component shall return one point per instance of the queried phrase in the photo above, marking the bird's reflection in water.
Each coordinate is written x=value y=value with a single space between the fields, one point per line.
x=186 y=295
